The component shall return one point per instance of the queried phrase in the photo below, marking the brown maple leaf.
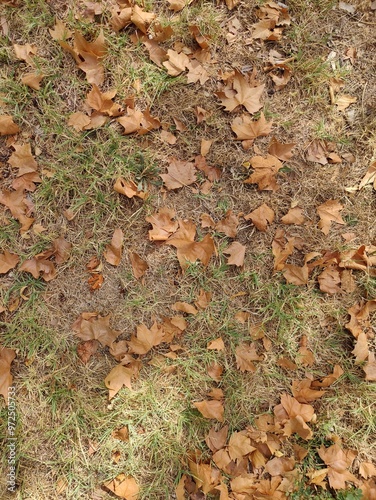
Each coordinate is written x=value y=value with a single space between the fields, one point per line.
x=247 y=129
x=128 y=188
x=163 y=224
x=179 y=174
x=265 y=172
x=7 y=126
x=212 y=173
x=113 y=251
x=228 y=225
x=329 y=280
x=146 y=338
x=261 y=217
x=139 y=265
x=241 y=92
x=102 y=101
x=236 y=252
x=329 y=212
x=23 y=159
x=189 y=250
x=6 y=358
x=138 y=121
x=86 y=349
x=91 y=326
x=295 y=275
x=294 y=216
x=245 y=355
x=19 y=206
x=211 y=409
x=338 y=461
x=8 y=261
x=280 y=150
x=123 y=486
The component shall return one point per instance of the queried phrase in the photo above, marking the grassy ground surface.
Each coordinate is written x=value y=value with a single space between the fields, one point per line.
x=66 y=446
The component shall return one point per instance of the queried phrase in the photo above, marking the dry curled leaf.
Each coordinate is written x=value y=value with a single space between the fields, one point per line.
x=8 y=261
x=128 y=189
x=241 y=92
x=329 y=212
x=212 y=409
x=7 y=125
x=261 y=217
x=124 y=487
x=139 y=265
x=294 y=216
x=236 y=252
x=6 y=358
x=113 y=251
x=179 y=174
x=265 y=171
x=91 y=326
x=163 y=224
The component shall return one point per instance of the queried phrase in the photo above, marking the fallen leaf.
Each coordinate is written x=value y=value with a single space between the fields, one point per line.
x=196 y=73
x=6 y=379
x=215 y=372
x=329 y=379
x=176 y=63
x=205 y=146
x=245 y=354
x=8 y=261
x=7 y=125
x=39 y=267
x=189 y=250
x=102 y=101
x=280 y=150
x=261 y=217
x=294 y=216
x=317 y=152
x=370 y=176
x=184 y=307
x=236 y=252
x=32 y=80
x=113 y=251
x=361 y=350
x=176 y=5
x=217 y=344
x=212 y=409
x=265 y=172
x=91 y=326
x=163 y=224
x=328 y=213
x=203 y=299
x=118 y=377
x=146 y=338
x=367 y=469
x=156 y=53
x=228 y=225
x=212 y=173
x=167 y=137
x=216 y=440
x=370 y=367
x=123 y=486
x=329 y=280
x=121 y=434
x=201 y=114
x=95 y=281
x=86 y=349
x=25 y=52
x=247 y=129
x=141 y=18
x=138 y=121
x=241 y=93
x=179 y=174
x=305 y=355
x=338 y=462
x=343 y=101
x=23 y=159
x=128 y=189
x=139 y=265
x=60 y=31
x=295 y=275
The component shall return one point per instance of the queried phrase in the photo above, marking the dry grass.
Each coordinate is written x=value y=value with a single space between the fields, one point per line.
x=62 y=405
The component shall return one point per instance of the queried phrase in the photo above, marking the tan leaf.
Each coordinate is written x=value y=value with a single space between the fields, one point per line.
x=228 y=225
x=203 y=299
x=90 y=326
x=7 y=125
x=217 y=439
x=278 y=466
x=86 y=349
x=60 y=31
x=138 y=121
x=295 y=275
x=32 y=80
x=215 y=372
x=156 y=53
x=118 y=377
x=163 y=224
x=302 y=391
x=343 y=101
x=369 y=178
x=128 y=188
x=6 y=379
x=184 y=307
x=146 y=338
x=329 y=379
x=305 y=355
x=8 y=261
x=280 y=150
x=239 y=445
x=217 y=344
x=211 y=409
x=61 y=250
x=281 y=79
x=317 y=152
x=196 y=73
x=247 y=129
x=176 y=5
x=205 y=146
x=124 y=487
x=370 y=367
x=179 y=174
x=39 y=267
x=367 y=469
x=25 y=52
x=167 y=137
x=189 y=250
x=113 y=251
x=245 y=354
x=294 y=216
x=265 y=172
x=241 y=93
x=23 y=159
x=121 y=434
x=79 y=121
x=212 y=173
x=236 y=252
x=176 y=63
x=139 y=265
x=287 y=364
x=329 y=280
x=261 y=217
x=102 y=101
x=141 y=18
x=328 y=213
x=361 y=350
